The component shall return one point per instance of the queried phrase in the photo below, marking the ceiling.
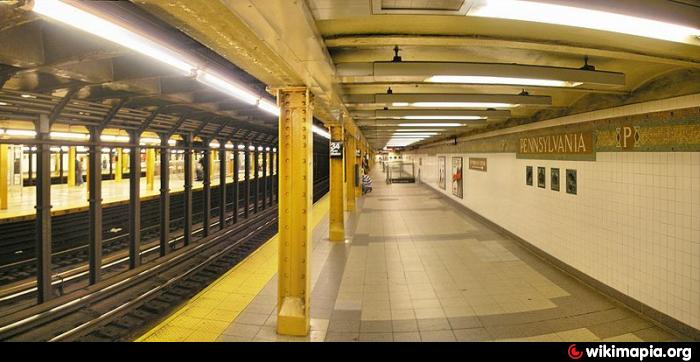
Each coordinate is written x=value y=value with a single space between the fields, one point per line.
x=360 y=32
x=47 y=62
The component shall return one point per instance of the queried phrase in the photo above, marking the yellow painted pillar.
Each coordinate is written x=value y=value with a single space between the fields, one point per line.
x=336 y=216
x=358 y=162
x=71 y=166
x=212 y=158
x=350 y=173
x=4 y=155
x=150 y=168
x=295 y=202
x=125 y=162
x=118 y=170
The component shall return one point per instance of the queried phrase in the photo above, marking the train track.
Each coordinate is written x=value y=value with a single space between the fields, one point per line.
x=130 y=302
x=138 y=296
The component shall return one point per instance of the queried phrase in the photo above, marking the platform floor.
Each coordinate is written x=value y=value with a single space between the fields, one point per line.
x=415 y=268
x=64 y=198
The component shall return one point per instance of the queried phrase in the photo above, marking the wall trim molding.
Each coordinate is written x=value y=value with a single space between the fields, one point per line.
x=664 y=320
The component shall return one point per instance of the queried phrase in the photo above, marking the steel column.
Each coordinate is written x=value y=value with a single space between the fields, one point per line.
x=187 y=227
x=271 y=181
x=164 y=196
x=350 y=173
x=134 y=203
x=256 y=165
x=222 y=187
x=206 y=190
x=264 y=178
x=296 y=190
x=336 y=216
x=236 y=166
x=71 y=166
x=95 y=201
x=43 y=213
x=150 y=168
x=3 y=176
x=119 y=169
x=246 y=187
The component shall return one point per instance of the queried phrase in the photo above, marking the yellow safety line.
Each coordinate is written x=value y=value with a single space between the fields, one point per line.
x=212 y=310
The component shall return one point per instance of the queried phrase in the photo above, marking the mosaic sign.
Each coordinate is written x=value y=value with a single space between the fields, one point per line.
x=478 y=164
x=557 y=145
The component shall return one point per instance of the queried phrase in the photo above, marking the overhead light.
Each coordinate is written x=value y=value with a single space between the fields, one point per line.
x=241 y=147
x=465 y=79
x=83 y=20
x=584 y=18
x=148 y=140
x=416 y=134
x=112 y=138
x=69 y=136
x=172 y=142
x=475 y=73
x=274 y=150
x=267 y=149
x=446 y=117
x=321 y=132
x=431 y=124
x=214 y=144
x=3 y=104
x=228 y=146
x=227 y=87
x=20 y=132
x=455 y=105
x=268 y=106
x=260 y=148
x=251 y=148
x=27 y=96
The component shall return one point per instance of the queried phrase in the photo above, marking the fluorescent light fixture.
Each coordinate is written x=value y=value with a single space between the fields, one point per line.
x=260 y=148
x=228 y=146
x=584 y=18
x=83 y=20
x=251 y=148
x=106 y=150
x=321 y=132
x=112 y=138
x=267 y=149
x=461 y=118
x=147 y=140
x=456 y=105
x=419 y=130
x=214 y=144
x=416 y=134
x=431 y=124
x=172 y=142
x=241 y=147
x=3 y=104
x=469 y=79
x=69 y=136
x=227 y=87
x=2 y=131
x=27 y=96
x=20 y=132
x=268 y=106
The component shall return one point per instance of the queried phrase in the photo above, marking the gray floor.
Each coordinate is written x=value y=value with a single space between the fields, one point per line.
x=415 y=268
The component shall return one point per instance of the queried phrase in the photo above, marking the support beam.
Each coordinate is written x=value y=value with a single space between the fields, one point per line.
x=222 y=187
x=164 y=196
x=236 y=167
x=296 y=190
x=256 y=174
x=246 y=186
x=150 y=168
x=71 y=166
x=271 y=180
x=264 y=178
x=3 y=176
x=134 y=203
x=206 y=189
x=43 y=212
x=350 y=173
x=187 y=227
x=95 y=202
x=336 y=217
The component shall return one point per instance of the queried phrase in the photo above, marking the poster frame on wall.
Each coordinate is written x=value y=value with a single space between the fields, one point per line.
x=458 y=177
x=442 y=174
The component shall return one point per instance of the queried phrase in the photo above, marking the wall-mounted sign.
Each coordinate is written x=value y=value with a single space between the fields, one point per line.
x=627 y=137
x=541 y=171
x=554 y=181
x=357 y=153
x=478 y=164
x=457 y=180
x=336 y=149
x=557 y=145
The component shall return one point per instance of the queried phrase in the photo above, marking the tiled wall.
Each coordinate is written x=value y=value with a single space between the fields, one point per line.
x=633 y=225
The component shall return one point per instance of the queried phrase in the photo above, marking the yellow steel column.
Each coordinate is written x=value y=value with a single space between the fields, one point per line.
x=336 y=217
x=150 y=167
x=295 y=194
x=3 y=176
x=213 y=157
x=358 y=162
x=350 y=173
x=118 y=167
x=71 y=166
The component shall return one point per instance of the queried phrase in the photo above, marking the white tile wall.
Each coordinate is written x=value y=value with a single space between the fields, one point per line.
x=634 y=225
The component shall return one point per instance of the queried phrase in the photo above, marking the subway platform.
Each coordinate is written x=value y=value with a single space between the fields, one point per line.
x=414 y=267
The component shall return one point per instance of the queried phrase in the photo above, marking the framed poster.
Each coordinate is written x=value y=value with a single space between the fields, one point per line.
x=528 y=175
x=555 y=179
x=541 y=177
x=457 y=181
x=441 y=172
